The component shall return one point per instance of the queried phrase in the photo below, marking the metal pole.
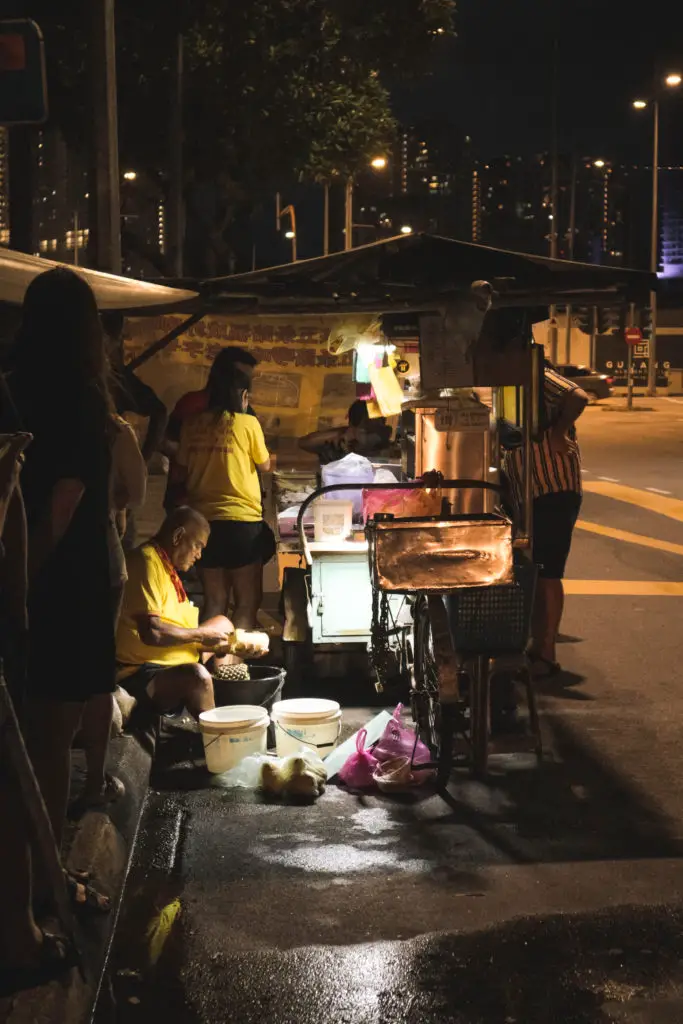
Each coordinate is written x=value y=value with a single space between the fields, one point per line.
x=554 y=191
x=176 y=161
x=629 y=359
x=107 y=202
x=348 y=215
x=22 y=180
x=654 y=251
x=76 y=238
x=570 y=250
x=326 y=219
x=594 y=338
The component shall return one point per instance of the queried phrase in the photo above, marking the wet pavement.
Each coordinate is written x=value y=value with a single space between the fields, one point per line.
x=548 y=894
x=382 y=910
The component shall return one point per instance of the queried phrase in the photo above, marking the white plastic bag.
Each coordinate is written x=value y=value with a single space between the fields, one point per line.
x=352 y=469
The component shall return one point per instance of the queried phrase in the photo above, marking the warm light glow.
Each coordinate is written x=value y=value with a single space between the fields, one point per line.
x=406 y=229
x=598 y=163
x=289 y=234
x=640 y=104
x=379 y=163
x=673 y=80
x=130 y=175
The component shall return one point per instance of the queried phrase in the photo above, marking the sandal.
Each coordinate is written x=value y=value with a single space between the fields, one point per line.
x=57 y=955
x=112 y=791
x=84 y=897
x=547 y=667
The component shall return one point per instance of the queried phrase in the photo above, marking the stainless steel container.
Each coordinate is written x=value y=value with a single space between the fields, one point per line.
x=457 y=455
x=440 y=555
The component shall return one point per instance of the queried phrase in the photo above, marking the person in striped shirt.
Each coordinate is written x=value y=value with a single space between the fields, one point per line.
x=557 y=490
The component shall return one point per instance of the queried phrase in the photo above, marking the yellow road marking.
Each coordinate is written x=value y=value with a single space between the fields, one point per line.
x=624 y=588
x=631 y=538
x=670 y=507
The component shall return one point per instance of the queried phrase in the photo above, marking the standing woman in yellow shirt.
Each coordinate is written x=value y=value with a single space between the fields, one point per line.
x=221 y=451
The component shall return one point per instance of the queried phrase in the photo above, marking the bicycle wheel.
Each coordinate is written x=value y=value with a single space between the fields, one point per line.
x=425 y=690
x=436 y=705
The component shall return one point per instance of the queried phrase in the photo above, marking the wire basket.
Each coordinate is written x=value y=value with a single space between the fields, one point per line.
x=494 y=620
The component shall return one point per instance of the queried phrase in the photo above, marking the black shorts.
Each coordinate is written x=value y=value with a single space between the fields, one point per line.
x=233 y=544
x=136 y=684
x=555 y=516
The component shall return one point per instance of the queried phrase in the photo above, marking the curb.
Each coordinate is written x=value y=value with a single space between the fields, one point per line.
x=102 y=844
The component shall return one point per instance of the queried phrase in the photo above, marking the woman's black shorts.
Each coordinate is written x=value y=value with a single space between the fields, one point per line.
x=234 y=544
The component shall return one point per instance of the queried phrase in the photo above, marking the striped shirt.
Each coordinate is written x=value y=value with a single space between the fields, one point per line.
x=552 y=473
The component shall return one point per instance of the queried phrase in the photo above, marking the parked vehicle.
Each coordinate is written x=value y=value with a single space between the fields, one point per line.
x=596 y=385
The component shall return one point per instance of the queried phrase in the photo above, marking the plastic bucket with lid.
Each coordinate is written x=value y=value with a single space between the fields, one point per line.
x=307 y=722
x=231 y=734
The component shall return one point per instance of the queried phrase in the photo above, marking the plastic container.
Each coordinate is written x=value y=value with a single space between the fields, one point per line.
x=264 y=687
x=306 y=722
x=231 y=734
x=332 y=519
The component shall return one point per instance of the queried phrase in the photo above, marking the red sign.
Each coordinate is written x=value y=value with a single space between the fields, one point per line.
x=633 y=335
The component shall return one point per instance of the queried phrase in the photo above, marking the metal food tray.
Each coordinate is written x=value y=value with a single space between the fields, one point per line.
x=438 y=555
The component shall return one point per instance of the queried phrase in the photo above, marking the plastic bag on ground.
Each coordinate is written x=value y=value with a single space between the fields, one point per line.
x=358 y=769
x=399 y=740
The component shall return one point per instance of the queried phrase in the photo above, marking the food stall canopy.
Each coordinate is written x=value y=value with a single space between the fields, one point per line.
x=420 y=270
x=112 y=292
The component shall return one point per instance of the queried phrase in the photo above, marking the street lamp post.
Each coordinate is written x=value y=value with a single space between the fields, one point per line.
x=378 y=163
x=671 y=81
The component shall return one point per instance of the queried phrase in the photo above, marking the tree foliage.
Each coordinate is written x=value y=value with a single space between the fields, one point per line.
x=273 y=88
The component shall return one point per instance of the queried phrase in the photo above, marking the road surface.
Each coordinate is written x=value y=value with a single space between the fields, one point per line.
x=549 y=894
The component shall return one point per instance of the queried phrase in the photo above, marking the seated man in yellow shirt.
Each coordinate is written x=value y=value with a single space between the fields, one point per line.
x=159 y=641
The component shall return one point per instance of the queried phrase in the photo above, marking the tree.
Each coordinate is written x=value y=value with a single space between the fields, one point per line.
x=275 y=90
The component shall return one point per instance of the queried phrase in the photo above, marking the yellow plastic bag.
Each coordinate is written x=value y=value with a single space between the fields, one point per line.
x=388 y=393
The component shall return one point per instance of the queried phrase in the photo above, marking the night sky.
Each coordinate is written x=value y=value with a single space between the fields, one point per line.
x=495 y=81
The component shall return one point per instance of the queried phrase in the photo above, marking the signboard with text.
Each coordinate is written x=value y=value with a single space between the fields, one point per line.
x=612 y=357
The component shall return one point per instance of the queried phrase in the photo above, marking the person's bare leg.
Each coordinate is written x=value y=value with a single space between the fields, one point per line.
x=52 y=726
x=190 y=685
x=216 y=592
x=96 y=721
x=96 y=729
x=548 y=608
x=247 y=585
x=20 y=937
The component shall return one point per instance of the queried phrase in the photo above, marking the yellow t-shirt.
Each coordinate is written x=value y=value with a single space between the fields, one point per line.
x=220 y=453
x=149 y=591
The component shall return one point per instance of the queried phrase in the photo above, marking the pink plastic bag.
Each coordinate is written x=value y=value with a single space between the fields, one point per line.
x=399 y=740
x=404 y=504
x=357 y=770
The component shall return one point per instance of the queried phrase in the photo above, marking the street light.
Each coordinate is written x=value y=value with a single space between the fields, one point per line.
x=598 y=163
x=672 y=81
x=378 y=163
x=130 y=175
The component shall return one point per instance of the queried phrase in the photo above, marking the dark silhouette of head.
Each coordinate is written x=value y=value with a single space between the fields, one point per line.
x=230 y=359
x=60 y=345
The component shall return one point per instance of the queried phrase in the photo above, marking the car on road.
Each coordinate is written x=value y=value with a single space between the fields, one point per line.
x=596 y=385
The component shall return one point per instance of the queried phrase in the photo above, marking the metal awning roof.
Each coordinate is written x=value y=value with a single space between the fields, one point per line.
x=112 y=292
x=414 y=271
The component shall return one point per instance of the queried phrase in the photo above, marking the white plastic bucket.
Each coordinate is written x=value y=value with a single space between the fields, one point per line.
x=307 y=722
x=332 y=519
x=231 y=734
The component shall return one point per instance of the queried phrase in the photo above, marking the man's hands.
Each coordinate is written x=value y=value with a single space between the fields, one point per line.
x=212 y=639
x=561 y=443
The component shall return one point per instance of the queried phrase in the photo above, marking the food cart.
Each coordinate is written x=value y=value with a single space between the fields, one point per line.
x=473 y=310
